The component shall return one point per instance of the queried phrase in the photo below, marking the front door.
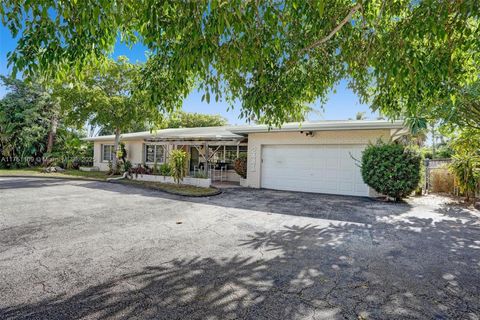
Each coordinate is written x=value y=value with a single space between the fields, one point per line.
x=194 y=158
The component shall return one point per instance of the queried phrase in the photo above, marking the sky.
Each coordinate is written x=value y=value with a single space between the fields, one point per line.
x=341 y=105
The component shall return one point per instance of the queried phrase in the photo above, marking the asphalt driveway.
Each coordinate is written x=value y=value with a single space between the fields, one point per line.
x=90 y=250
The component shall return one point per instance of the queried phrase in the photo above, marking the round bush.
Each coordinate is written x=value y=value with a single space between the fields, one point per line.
x=391 y=169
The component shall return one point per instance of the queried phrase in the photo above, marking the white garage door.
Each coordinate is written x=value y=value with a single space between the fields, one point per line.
x=313 y=168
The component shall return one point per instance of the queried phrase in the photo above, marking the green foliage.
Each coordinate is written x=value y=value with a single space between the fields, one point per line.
x=69 y=164
x=24 y=123
x=201 y=174
x=108 y=96
x=240 y=166
x=426 y=153
x=165 y=169
x=127 y=166
x=464 y=112
x=361 y=115
x=444 y=152
x=26 y=114
x=178 y=164
x=122 y=152
x=182 y=119
x=466 y=168
x=110 y=167
x=391 y=169
x=465 y=163
x=162 y=169
x=408 y=58
x=70 y=146
x=155 y=168
x=466 y=140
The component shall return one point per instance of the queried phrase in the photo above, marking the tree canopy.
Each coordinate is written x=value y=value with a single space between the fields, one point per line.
x=406 y=58
x=182 y=119
x=24 y=122
x=25 y=127
x=108 y=97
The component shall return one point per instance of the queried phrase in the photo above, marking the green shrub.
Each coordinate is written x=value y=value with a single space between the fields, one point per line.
x=127 y=165
x=69 y=164
x=110 y=167
x=391 y=169
x=202 y=174
x=165 y=169
x=240 y=166
x=155 y=168
x=466 y=168
x=178 y=164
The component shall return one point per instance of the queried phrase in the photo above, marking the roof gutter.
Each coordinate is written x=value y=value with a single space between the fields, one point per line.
x=323 y=127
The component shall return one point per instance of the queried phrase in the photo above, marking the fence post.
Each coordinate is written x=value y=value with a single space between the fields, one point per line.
x=427 y=176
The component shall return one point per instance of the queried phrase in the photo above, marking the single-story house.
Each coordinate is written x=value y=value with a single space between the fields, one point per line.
x=310 y=156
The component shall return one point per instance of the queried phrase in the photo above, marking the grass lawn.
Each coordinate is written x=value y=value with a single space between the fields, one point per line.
x=69 y=173
x=181 y=189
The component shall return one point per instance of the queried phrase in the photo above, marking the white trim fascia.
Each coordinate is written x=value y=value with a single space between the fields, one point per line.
x=322 y=126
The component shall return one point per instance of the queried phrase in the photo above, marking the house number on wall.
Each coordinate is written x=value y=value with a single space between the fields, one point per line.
x=253 y=158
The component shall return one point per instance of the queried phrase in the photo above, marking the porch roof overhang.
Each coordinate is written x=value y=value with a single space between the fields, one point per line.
x=186 y=142
x=181 y=135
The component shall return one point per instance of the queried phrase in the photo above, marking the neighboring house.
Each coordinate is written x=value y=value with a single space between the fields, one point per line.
x=311 y=157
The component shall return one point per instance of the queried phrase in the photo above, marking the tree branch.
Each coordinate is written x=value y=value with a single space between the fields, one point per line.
x=335 y=30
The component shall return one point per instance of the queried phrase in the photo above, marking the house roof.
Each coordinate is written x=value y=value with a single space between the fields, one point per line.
x=326 y=125
x=179 y=134
x=239 y=132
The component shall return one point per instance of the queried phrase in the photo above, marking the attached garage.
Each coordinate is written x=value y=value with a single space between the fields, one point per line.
x=314 y=156
x=313 y=168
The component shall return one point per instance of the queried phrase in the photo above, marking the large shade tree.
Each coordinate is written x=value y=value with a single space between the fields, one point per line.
x=407 y=58
x=108 y=97
x=29 y=119
x=24 y=122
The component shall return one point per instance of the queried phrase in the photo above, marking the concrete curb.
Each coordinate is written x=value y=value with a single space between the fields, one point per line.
x=54 y=178
x=117 y=182
x=218 y=192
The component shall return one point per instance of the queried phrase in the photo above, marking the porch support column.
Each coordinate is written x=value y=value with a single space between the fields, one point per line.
x=207 y=158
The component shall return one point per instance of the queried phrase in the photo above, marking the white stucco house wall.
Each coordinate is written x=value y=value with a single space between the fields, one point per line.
x=309 y=157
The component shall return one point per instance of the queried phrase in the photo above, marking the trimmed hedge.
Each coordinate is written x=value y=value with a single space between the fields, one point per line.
x=391 y=169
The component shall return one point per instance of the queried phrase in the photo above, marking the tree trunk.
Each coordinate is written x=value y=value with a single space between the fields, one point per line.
x=115 y=148
x=52 y=134
x=54 y=119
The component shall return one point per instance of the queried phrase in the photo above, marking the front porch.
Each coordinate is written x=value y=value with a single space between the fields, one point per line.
x=212 y=158
x=211 y=151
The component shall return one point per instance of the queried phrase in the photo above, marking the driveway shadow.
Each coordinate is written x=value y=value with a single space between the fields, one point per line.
x=386 y=271
x=28 y=183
